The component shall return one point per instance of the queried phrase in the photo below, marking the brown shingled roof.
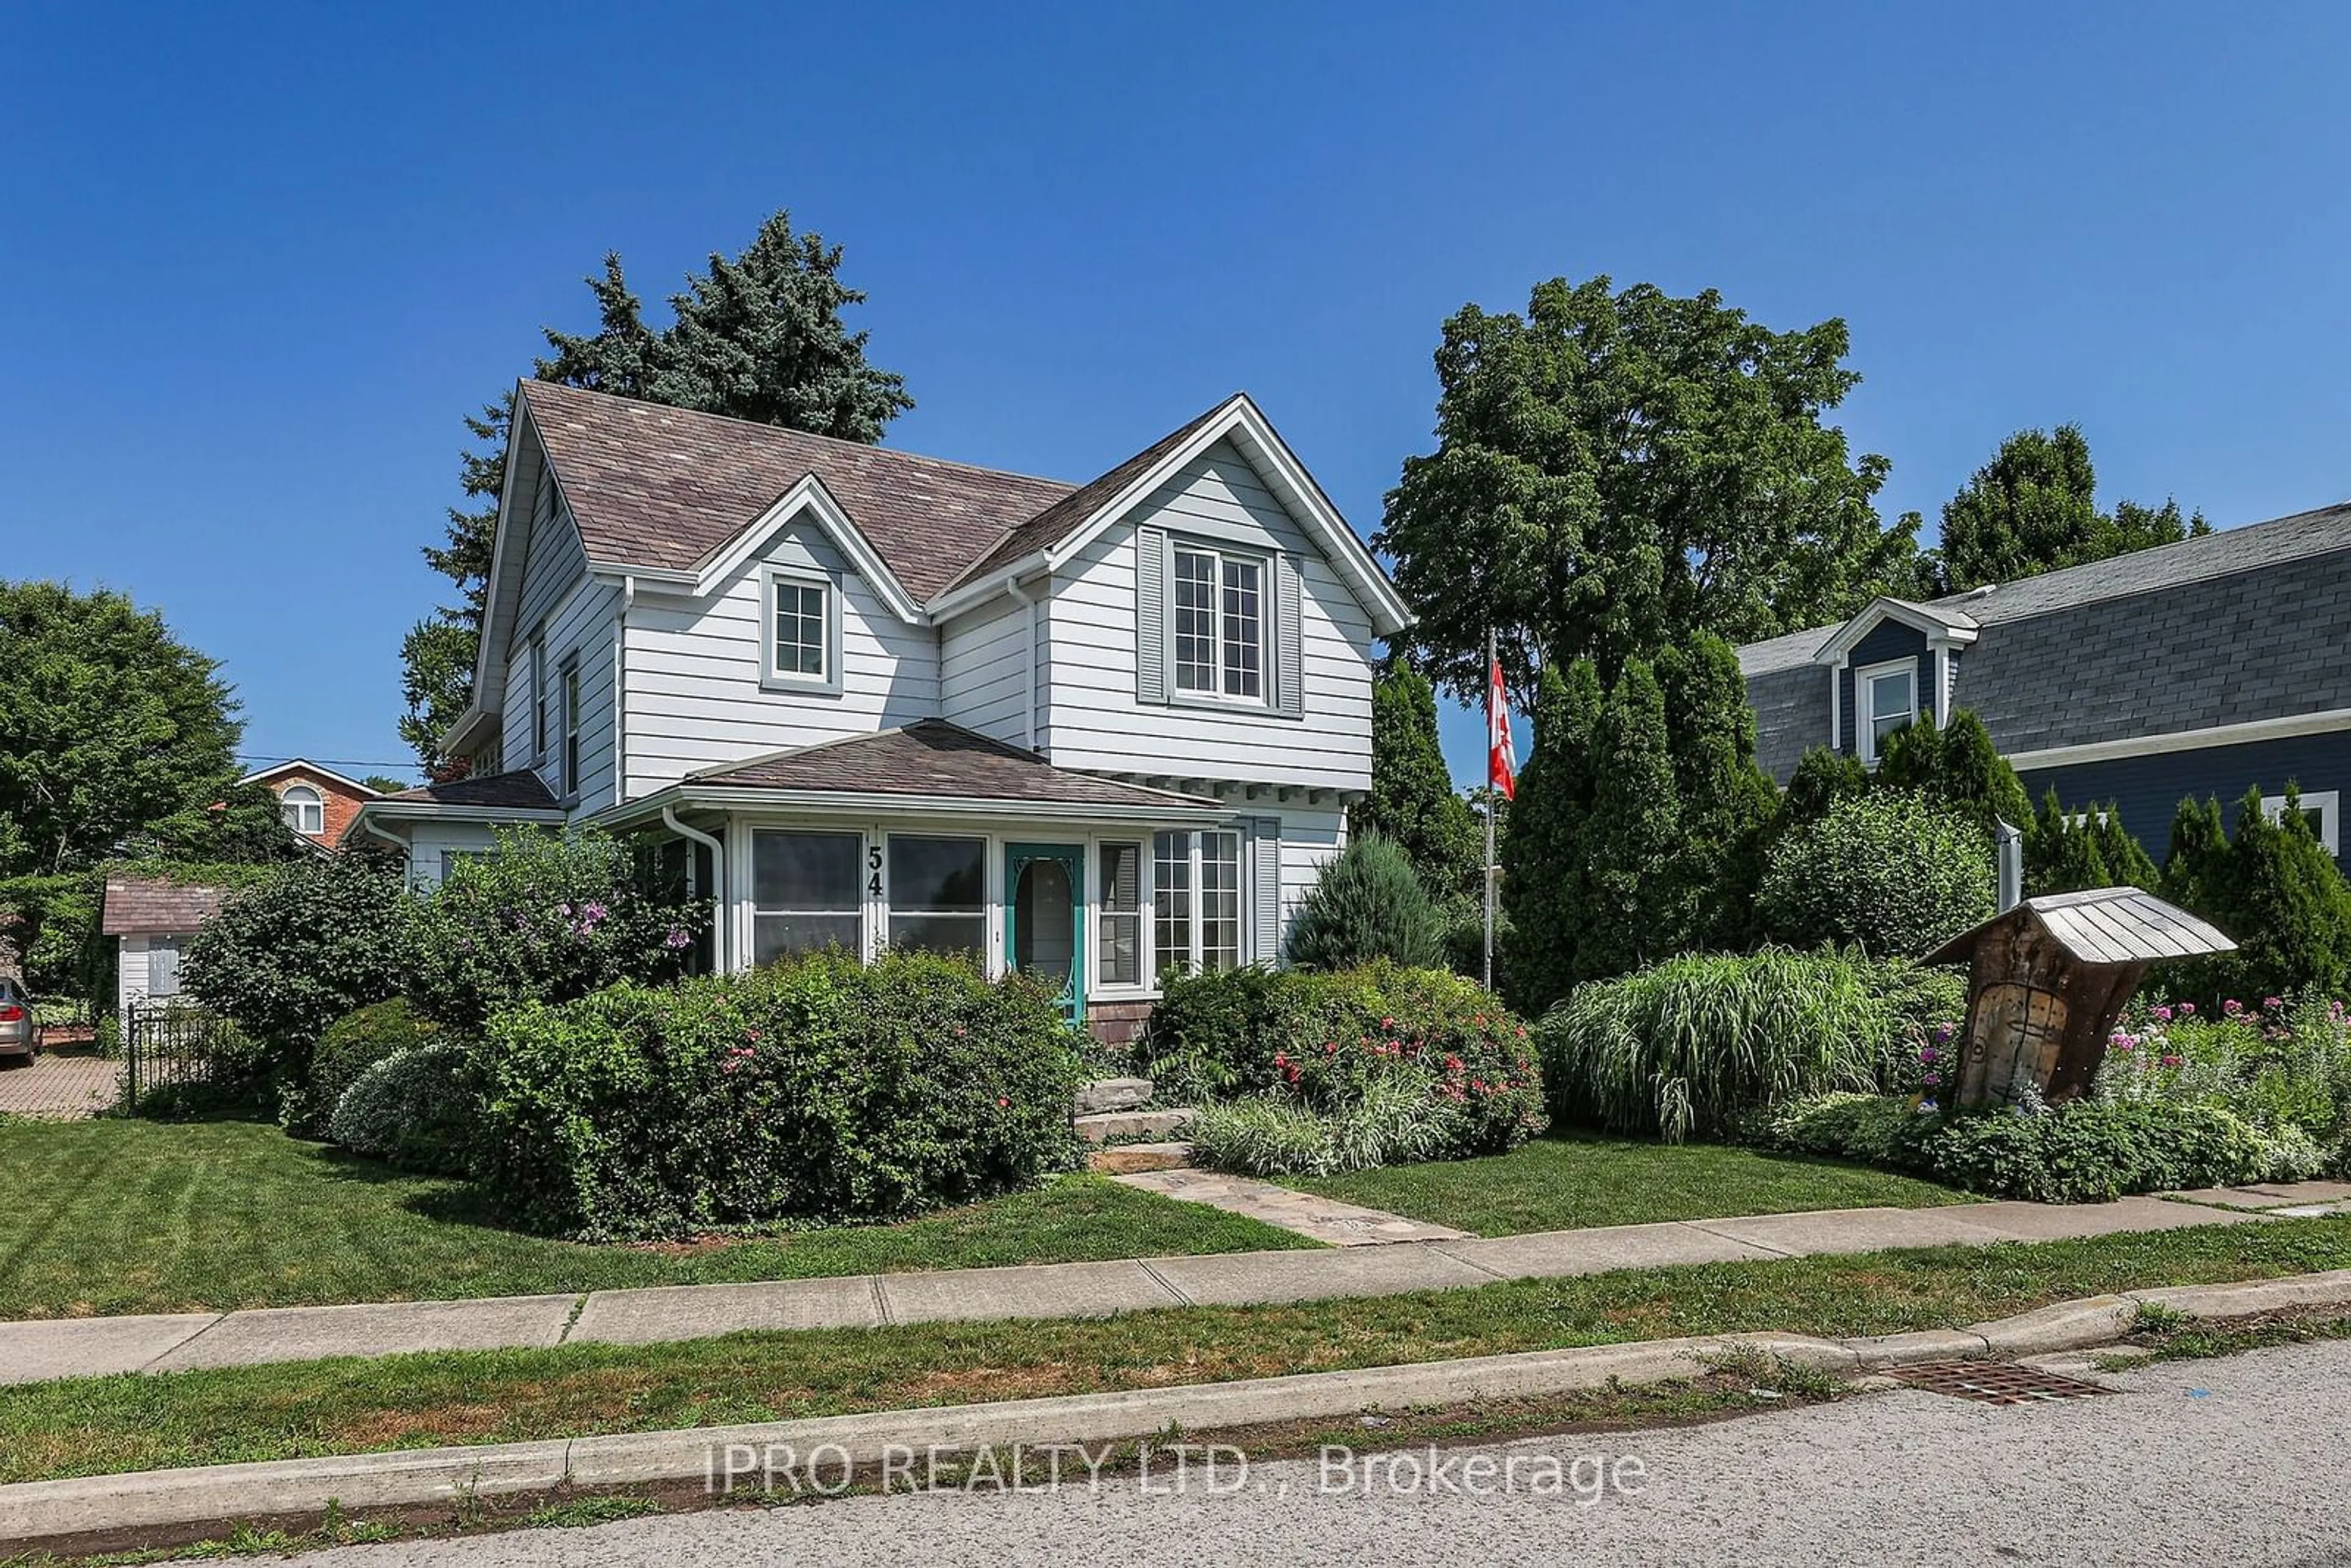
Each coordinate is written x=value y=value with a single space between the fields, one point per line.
x=662 y=487
x=148 y=906
x=1049 y=526
x=933 y=756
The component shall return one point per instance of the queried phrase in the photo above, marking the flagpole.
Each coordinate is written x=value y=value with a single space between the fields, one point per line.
x=1489 y=814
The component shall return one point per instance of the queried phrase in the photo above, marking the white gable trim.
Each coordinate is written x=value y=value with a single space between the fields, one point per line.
x=263 y=775
x=810 y=498
x=1957 y=631
x=506 y=575
x=1240 y=421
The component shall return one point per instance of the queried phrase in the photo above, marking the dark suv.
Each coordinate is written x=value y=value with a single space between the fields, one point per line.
x=20 y=1032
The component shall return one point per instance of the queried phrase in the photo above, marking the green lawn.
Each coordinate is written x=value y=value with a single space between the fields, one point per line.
x=1574 y=1180
x=96 y=1426
x=114 y=1216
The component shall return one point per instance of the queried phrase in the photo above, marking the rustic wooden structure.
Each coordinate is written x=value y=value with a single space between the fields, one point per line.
x=2048 y=979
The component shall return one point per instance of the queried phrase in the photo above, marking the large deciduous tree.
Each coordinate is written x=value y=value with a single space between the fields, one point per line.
x=2033 y=508
x=758 y=337
x=109 y=725
x=1617 y=471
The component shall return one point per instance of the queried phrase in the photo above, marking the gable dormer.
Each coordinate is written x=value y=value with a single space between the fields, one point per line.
x=1892 y=666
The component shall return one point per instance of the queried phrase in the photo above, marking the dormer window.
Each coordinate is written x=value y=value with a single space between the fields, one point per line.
x=802 y=632
x=1888 y=700
x=304 y=809
x=1219 y=610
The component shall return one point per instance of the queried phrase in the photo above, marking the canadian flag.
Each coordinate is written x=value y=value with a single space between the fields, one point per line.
x=1501 y=756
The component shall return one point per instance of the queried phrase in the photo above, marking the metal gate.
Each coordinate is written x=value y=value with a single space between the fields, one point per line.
x=166 y=1044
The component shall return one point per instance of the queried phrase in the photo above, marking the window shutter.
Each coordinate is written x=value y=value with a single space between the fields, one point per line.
x=1151 y=615
x=1289 y=639
x=1264 y=890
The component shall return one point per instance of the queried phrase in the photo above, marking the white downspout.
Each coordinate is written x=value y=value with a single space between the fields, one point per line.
x=407 y=851
x=1021 y=597
x=621 y=692
x=724 y=914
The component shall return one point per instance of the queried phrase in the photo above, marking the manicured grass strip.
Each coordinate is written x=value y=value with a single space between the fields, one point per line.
x=129 y=1423
x=112 y=1217
x=1574 y=1180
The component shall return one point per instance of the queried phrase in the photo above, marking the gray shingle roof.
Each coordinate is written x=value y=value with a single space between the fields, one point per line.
x=517 y=789
x=149 y=906
x=2256 y=545
x=932 y=756
x=657 y=487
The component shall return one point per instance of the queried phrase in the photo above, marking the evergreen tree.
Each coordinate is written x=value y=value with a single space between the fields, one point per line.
x=1821 y=778
x=2062 y=853
x=758 y=337
x=1367 y=905
x=2125 y=859
x=1412 y=803
x=2278 y=894
x=1632 y=912
x=1727 y=801
x=1543 y=889
x=2199 y=841
x=1956 y=766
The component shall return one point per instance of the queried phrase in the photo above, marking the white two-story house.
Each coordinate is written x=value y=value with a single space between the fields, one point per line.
x=877 y=699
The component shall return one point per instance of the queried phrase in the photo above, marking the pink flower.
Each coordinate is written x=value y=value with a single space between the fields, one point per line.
x=2271 y=1004
x=2232 y=1007
x=2187 y=1010
x=2163 y=1013
x=1001 y=1102
x=753 y=1035
x=2173 y=1061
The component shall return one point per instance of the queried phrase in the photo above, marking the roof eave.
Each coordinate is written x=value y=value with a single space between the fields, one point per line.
x=868 y=804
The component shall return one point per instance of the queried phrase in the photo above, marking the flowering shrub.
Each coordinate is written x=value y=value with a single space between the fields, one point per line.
x=545 y=918
x=815 y=1090
x=352 y=1044
x=417 y=1108
x=2279 y=1065
x=1350 y=1048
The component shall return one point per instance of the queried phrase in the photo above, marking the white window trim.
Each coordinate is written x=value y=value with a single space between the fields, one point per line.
x=313 y=805
x=1865 y=711
x=2327 y=803
x=828 y=681
x=1220 y=553
x=538 y=730
x=1147 y=985
x=877 y=883
x=1196 y=911
x=870 y=906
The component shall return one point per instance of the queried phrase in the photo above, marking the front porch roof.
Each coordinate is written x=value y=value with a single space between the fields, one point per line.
x=517 y=795
x=931 y=766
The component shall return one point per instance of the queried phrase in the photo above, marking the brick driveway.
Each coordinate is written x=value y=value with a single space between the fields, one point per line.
x=59 y=1088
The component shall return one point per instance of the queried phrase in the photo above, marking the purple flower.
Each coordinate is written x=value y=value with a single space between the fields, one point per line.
x=2271 y=1004
x=1926 y=1053
x=1943 y=1033
x=593 y=912
x=1932 y=1080
x=676 y=940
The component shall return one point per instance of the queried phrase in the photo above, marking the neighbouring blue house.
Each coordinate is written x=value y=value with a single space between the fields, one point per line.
x=2198 y=668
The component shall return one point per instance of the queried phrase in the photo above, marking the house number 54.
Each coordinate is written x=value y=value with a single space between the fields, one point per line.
x=873 y=864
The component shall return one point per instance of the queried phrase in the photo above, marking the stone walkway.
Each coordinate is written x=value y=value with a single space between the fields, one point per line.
x=1324 y=1219
x=59 y=1088
x=32 y=1351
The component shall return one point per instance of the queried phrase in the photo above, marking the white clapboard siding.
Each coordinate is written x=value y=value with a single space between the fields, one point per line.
x=695 y=699
x=1309 y=841
x=1096 y=719
x=983 y=679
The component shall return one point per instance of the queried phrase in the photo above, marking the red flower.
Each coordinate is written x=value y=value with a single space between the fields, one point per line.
x=1001 y=1102
x=1452 y=1065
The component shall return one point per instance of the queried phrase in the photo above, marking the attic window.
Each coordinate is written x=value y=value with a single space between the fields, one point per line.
x=802 y=632
x=304 y=809
x=1889 y=701
x=1218 y=623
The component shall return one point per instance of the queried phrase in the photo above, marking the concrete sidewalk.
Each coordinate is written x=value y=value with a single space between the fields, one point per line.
x=79 y=1347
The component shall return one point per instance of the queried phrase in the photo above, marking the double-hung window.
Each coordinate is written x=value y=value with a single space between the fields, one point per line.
x=801 y=646
x=1218 y=621
x=805 y=893
x=1196 y=892
x=938 y=893
x=569 y=684
x=1887 y=696
x=304 y=808
x=538 y=697
x=1119 y=914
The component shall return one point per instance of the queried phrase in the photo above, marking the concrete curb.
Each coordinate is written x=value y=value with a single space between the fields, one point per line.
x=148 y=1499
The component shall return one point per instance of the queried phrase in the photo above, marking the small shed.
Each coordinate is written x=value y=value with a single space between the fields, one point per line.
x=2048 y=979
x=153 y=919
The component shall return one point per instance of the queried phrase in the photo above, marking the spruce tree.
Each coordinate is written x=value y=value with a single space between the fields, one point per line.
x=1412 y=803
x=1543 y=890
x=1367 y=905
x=2278 y=894
x=1632 y=913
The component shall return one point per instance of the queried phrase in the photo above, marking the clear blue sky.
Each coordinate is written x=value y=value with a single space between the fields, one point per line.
x=258 y=261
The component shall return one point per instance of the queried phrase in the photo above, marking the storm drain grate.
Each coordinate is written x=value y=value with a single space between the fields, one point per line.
x=1993 y=1383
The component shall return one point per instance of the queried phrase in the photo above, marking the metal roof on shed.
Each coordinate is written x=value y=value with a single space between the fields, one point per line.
x=2105 y=926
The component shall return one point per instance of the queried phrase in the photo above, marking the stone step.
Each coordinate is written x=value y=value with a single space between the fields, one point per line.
x=1112 y=1094
x=1120 y=1126
x=1124 y=1159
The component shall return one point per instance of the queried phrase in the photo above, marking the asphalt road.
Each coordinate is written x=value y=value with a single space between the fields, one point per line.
x=2236 y=1461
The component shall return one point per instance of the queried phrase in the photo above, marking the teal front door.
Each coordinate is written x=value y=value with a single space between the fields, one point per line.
x=1044 y=927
